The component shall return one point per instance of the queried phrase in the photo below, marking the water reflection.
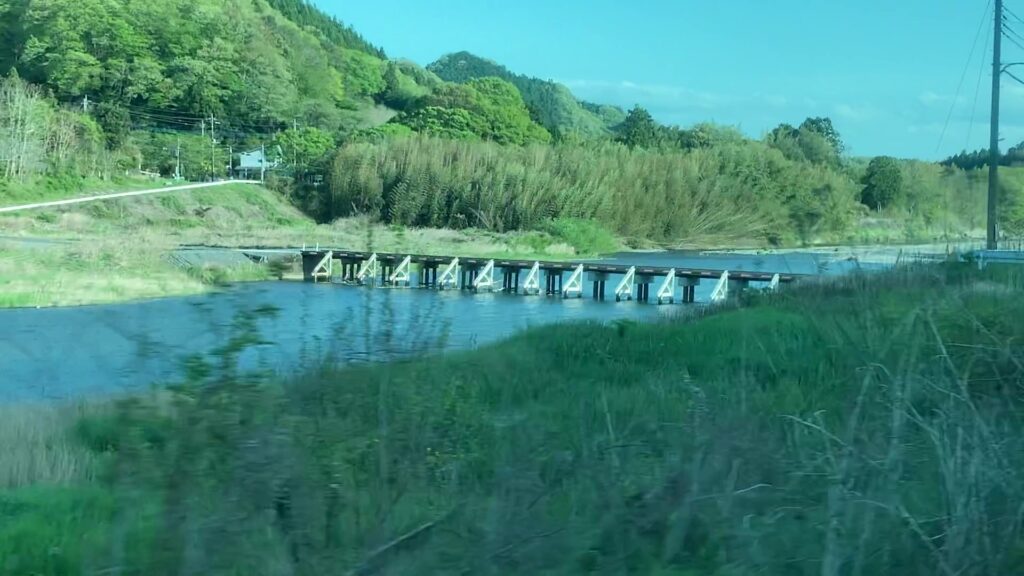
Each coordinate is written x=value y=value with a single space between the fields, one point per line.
x=69 y=352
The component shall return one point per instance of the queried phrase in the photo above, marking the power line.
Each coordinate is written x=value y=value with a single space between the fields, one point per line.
x=1012 y=34
x=1012 y=75
x=963 y=76
x=1015 y=39
x=180 y=118
x=1006 y=10
x=977 y=89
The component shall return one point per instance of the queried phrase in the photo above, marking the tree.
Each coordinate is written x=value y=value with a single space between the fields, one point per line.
x=639 y=130
x=450 y=123
x=883 y=183
x=823 y=127
x=304 y=147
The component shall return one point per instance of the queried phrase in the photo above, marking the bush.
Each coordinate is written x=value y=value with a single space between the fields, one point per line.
x=586 y=236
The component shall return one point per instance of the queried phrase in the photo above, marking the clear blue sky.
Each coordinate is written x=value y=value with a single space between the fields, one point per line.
x=885 y=71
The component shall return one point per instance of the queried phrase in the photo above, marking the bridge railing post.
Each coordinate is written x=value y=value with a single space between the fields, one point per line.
x=401 y=273
x=485 y=279
x=721 y=291
x=624 y=291
x=370 y=269
x=667 y=290
x=325 y=268
x=449 y=278
x=531 y=286
x=574 y=287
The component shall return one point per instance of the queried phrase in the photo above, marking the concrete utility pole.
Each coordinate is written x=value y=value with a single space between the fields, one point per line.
x=177 y=160
x=213 y=149
x=85 y=104
x=993 y=158
x=263 y=162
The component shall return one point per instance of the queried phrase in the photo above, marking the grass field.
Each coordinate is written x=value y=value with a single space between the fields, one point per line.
x=117 y=249
x=868 y=425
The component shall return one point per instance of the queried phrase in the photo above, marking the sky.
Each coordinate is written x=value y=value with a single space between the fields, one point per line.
x=888 y=72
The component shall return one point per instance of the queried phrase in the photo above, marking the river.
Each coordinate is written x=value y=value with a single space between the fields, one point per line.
x=66 y=353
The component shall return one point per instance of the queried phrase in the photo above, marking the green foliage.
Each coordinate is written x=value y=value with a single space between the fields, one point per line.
x=816 y=141
x=1011 y=202
x=403 y=90
x=824 y=128
x=585 y=236
x=883 y=183
x=160 y=153
x=53 y=531
x=552 y=104
x=448 y=123
x=488 y=108
x=743 y=441
x=164 y=61
x=307 y=15
x=639 y=129
x=503 y=114
x=304 y=147
x=394 y=130
x=363 y=74
x=674 y=197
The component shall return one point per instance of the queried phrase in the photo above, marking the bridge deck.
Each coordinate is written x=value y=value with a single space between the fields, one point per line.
x=602 y=267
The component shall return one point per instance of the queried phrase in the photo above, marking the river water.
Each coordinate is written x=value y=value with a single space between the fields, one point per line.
x=64 y=353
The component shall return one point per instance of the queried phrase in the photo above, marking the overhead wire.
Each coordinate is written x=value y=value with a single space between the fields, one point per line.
x=1013 y=36
x=963 y=75
x=977 y=88
x=177 y=118
x=1010 y=12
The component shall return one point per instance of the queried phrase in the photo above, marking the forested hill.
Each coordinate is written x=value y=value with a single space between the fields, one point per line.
x=255 y=63
x=100 y=88
x=552 y=104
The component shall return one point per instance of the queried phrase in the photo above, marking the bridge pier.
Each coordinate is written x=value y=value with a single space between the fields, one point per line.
x=690 y=289
x=428 y=277
x=643 y=287
x=737 y=285
x=554 y=282
x=600 y=280
x=510 y=280
x=309 y=263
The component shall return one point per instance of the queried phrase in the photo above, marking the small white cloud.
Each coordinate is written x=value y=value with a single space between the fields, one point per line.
x=855 y=113
x=670 y=96
x=929 y=98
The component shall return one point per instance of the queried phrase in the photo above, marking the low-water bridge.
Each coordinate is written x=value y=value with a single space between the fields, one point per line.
x=566 y=279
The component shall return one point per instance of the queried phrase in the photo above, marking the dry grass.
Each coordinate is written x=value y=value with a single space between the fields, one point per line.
x=38 y=448
x=87 y=273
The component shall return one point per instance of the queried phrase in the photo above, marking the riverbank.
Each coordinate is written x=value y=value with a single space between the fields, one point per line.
x=842 y=423
x=121 y=250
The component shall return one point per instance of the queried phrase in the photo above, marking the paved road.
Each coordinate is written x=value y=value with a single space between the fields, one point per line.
x=85 y=199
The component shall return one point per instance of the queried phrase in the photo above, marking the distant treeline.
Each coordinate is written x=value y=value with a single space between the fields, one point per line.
x=737 y=190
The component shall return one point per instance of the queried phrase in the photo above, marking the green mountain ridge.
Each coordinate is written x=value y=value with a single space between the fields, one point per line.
x=553 y=105
x=258 y=65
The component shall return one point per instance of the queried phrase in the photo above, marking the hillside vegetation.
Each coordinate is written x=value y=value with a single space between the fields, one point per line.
x=96 y=89
x=551 y=104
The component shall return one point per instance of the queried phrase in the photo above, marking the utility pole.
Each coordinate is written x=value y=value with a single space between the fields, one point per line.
x=177 y=160
x=231 y=163
x=993 y=152
x=213 y=149
x=85 y=104
x=263 y=162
